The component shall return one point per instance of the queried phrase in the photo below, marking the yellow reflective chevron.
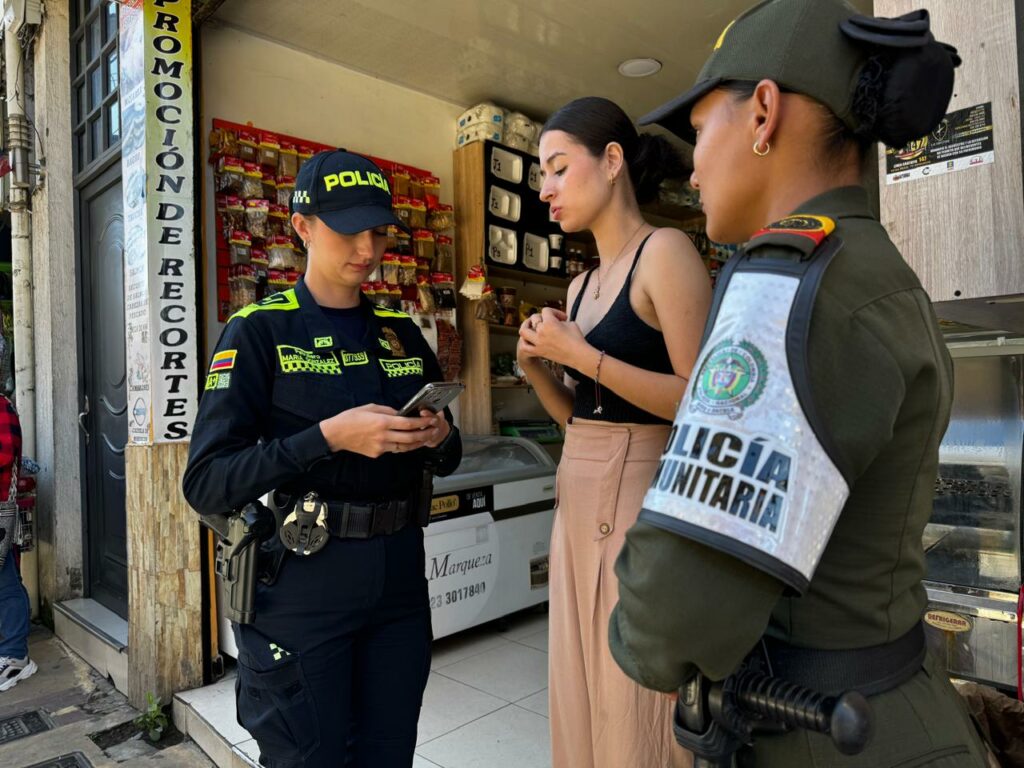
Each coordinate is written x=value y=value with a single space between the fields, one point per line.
x=381 y=312
x=283 y=300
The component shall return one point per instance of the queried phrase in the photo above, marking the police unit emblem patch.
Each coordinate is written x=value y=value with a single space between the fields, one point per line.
x=394 y=343
x=320 y=342
x=732 y=377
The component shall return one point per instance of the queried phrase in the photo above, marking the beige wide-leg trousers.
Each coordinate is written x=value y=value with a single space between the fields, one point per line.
x=599 y=717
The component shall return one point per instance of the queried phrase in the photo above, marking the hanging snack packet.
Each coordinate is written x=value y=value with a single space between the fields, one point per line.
x=257 y=217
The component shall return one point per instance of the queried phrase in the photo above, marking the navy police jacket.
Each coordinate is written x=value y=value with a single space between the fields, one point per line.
x=279 y=369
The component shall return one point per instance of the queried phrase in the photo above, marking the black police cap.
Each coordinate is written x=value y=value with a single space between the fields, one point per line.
x=346 y=191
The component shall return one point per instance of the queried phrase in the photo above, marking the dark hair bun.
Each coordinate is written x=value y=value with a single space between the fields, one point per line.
x=904 y=87
x=653 y=161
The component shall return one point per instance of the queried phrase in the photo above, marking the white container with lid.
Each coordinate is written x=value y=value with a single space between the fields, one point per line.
x=534 y=179
x=535 y=252
x=504 y=204
x=501 y=245
x=506 y=165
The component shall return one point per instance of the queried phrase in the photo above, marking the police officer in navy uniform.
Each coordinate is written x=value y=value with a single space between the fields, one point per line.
x=302 y=398
x=783 y=528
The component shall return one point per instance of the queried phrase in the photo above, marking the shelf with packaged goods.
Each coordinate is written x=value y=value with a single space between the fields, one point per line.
x=670 y=212
x=540 y=278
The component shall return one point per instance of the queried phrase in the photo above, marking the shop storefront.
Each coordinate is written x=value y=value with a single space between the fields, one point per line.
x=184 y=149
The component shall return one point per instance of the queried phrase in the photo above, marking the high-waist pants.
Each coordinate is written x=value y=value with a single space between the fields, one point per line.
x=599 y=717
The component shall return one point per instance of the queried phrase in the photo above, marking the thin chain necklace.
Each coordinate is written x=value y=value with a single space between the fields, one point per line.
x=597 y=290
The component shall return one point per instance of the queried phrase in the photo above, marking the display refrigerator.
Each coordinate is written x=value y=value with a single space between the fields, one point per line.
x=488 y=540
x=489 y=536
x=973 y=540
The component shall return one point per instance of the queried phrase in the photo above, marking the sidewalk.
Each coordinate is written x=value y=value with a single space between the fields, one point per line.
x=46 y=721
x=485 y=706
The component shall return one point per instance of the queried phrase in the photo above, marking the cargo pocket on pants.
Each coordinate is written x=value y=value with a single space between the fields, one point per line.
x=276 y=708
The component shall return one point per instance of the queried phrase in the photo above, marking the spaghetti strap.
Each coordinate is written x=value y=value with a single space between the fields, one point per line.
x=636 y=258
x=579 y=296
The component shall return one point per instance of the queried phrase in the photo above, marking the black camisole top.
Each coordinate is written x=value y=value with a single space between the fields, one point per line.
x=623 y=335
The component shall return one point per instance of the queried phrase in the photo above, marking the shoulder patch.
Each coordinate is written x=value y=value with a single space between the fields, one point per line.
x=803 y=232
x=283 y=300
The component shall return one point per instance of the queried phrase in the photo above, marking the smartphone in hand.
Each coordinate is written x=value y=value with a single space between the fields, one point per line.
x=433 y=397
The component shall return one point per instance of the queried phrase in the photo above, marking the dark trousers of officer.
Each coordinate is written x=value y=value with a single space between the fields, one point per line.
x=333 y=670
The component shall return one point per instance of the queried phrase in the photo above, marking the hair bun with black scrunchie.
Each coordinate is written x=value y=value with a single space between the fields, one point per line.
x=905 y=86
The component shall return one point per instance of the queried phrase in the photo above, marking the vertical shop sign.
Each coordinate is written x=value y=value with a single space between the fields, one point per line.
x=160 y=318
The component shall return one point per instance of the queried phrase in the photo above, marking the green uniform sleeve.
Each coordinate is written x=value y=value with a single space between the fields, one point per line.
x=683 y=605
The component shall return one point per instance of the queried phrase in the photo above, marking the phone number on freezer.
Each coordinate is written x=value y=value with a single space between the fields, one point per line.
x=454 y=595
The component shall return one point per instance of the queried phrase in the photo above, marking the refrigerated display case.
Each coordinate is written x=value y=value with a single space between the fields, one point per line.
x=973 y=540
x=488 y=541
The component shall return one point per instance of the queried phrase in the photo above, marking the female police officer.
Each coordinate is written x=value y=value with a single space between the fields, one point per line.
x=301 y=398
x=788 y=510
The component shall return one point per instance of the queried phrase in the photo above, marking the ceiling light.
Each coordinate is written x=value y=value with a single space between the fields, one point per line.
x=639 y=67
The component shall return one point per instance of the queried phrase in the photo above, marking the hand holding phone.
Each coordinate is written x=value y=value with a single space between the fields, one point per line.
x=433 y=397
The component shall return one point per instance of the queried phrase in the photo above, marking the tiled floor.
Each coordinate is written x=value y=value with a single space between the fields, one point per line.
x=485 y=705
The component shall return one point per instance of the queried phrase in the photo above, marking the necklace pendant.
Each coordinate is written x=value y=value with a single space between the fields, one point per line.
x=598 y=411
x=597 y=292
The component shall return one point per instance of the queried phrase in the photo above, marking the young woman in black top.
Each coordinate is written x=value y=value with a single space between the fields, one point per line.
x=628 y=345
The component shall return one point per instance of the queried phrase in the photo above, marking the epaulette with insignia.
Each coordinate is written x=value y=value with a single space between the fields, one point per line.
x=800 y=231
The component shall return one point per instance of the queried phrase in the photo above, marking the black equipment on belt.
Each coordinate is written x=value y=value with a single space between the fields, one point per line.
x=780 y=687
x=236 y=556
x=313 y=520
x=304 y=530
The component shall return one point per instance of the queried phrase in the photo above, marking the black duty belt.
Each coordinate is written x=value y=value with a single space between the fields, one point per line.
x=362 y=521
x=870 y=671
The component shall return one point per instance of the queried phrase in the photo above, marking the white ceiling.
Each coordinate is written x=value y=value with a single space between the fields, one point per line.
x=530 y=55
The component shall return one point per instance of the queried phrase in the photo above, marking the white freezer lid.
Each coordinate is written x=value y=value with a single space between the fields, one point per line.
x=494 y=459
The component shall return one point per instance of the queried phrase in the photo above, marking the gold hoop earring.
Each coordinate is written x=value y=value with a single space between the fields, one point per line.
x=767 y=149
x=611 y=181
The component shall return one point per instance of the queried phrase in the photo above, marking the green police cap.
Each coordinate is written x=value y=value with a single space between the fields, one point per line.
x=819 y=48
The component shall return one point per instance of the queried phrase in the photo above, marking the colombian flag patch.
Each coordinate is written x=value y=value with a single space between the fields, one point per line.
x=802 y=231
x=223 y=361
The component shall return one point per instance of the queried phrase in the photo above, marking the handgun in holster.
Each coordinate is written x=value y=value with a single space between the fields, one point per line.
x=237 y=557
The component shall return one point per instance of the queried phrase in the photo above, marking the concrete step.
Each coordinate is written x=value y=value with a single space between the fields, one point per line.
x=207 y=716
x=97 y=634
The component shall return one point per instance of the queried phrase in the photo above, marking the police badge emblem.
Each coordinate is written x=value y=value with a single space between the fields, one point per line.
x=732 y=378
x=393 y=342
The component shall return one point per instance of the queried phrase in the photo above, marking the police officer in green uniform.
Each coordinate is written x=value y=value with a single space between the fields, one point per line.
x=302 y=400
x=785 y=521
